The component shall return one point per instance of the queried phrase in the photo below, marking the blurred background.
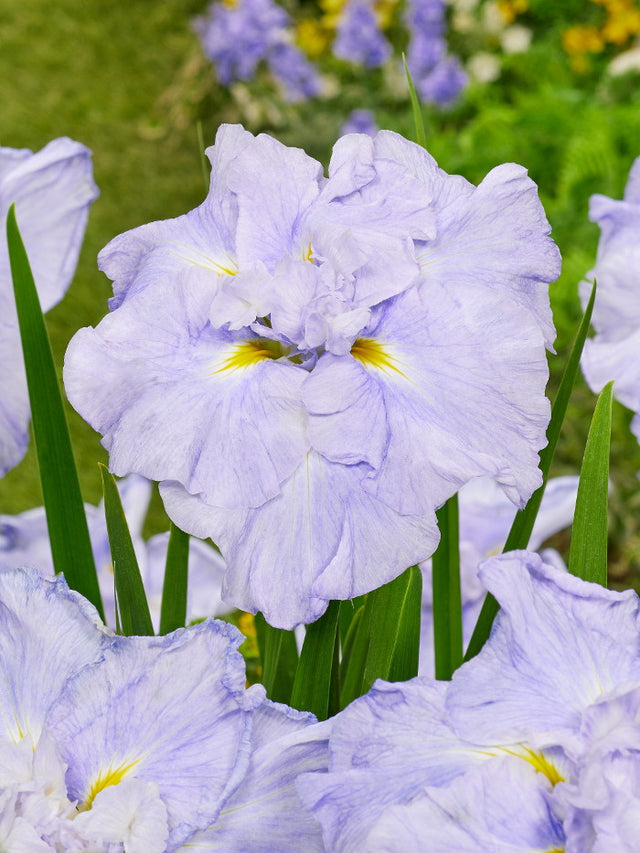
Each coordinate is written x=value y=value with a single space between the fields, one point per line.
x=552 y=85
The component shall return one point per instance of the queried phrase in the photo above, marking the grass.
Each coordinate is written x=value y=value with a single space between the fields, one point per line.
x=128 y=80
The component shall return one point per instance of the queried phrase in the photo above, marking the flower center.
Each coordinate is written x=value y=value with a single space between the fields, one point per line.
x=112 y=776
x=372 y=353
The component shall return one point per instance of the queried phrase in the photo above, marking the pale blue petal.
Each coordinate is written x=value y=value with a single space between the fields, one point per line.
x=275 y=185
x=48 y=634
x=52 y=191
x=558 y=645
x=334 y=541
x=201 y=243
x=130 y=813
x=266 y=814
x=385 y=748
x=502 y=806
x=15 y=411
x=494 y=236
x=159 y=383
x=462 y=392
x=127 y=717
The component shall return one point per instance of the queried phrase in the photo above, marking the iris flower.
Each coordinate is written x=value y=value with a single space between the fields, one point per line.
x=52 y=191
x=143 y=744
x=311 y=365
x=613 y=352
x=555 y=690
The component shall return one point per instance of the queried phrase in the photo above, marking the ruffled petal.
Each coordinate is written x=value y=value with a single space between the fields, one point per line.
x=334 y=541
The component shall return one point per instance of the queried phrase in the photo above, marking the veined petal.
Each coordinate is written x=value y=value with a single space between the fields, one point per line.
x=201 y=243
x=334 y=541
x=49 y=633
x=176 y=399
x=15 y=411
x=265 y=814
x=274 y=185
x=130 y=813
x=126 y=719
x=558 y=645
x=495 y=235
x=52 y=191
x=461 y=386
x=501 y=806
x=385 y=748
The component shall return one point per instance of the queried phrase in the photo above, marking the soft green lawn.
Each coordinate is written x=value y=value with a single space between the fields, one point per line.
x=128 y=80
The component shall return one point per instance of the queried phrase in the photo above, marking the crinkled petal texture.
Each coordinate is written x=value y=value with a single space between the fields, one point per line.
x=385 y=748
x=375 y=340
x=49 y=633
x=200 y=245
x=127 y=719
x=502 y=806
x=612 y=353
x=176 y=399
x=494 y=236
x=440 y=390
x=334 y=541
x=52 y=191
x=557 y=646
x=265 y=814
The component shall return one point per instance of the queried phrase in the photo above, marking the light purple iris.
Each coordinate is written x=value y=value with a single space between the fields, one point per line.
x=52 y=191
x=359 y=38
x=486 y=515
x=311 y=365
x=532 y=746
x=613 y=352
x=140 y=744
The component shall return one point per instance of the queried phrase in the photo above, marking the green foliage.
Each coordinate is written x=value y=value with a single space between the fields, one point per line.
x=131 y=602
x=66 y=520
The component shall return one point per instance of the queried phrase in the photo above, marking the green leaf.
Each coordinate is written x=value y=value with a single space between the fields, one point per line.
x=279 y=656
x=522 y=526
x=387 y=636
x=316 y=682
x=418 y=118
x=130 y=595
x=66 y=519
x=173 y=611
x=447 y=602
x=588 y=553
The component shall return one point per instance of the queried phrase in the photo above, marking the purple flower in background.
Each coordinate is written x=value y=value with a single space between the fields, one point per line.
x=237 y=37
x=532 y=746
x=52 y=191
x=294 y=71
x=359 y=39
x=285 y=357
x=438 y=77
x=613 y=352
x=101 y=750
x=360 y=121
x=486 y=515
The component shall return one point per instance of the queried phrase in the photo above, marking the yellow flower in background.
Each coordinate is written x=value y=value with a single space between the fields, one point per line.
x=622 y=23
x=313 y=36
x=510 y=9
x=582 y=39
